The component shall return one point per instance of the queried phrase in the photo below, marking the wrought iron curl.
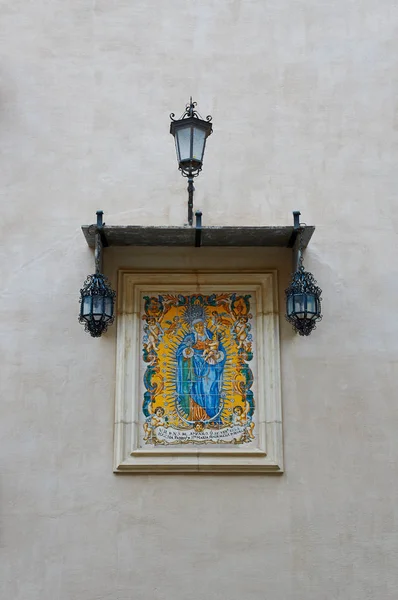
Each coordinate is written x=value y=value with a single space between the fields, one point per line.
x=191 y=112
x=189 y=174
x=190 y=108
x=304 y=282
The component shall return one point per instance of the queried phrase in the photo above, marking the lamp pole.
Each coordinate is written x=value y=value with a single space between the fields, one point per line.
x=191 y=190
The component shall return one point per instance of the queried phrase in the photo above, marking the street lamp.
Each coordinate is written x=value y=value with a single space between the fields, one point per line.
x=96 y=296
x=303 y=298
x=190 y=132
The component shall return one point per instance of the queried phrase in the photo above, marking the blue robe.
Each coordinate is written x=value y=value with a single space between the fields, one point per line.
x=199 y=380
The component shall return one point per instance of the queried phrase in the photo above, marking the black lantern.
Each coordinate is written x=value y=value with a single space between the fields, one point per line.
x=190 y=132
x=96 y=304
x=303 y=299
x=96 y=296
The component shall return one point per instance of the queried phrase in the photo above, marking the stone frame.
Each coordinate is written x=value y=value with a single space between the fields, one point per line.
x=128 y=456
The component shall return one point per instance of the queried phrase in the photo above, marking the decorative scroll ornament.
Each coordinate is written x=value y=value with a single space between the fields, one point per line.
x=190 y=111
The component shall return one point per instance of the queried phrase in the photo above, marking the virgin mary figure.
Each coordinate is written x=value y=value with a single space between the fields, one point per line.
x=200 y=368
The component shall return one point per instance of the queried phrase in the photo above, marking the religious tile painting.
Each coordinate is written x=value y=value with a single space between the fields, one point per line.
x=198 y=373
x=197 y=369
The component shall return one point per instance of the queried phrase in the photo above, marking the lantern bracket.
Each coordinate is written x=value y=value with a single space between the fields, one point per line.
x=296 y=240
x=100 y=228
x=96 y=296
x=198 y=229
x=303 y=296
x=100 y=241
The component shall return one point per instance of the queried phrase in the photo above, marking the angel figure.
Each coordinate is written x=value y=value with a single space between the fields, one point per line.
x=173 y=326
x=242 y=329
x=154 y=333
x=241 y=417
x=219 y=320
x=155 y=419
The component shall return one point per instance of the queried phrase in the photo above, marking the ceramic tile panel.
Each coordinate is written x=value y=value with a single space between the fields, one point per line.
x=199 y=375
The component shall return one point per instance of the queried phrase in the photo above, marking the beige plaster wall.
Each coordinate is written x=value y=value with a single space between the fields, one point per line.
x=303 y=96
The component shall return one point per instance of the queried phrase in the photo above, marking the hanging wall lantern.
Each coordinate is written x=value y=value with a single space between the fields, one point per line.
x=96 y=296
x=190 y=132
x=303 y=297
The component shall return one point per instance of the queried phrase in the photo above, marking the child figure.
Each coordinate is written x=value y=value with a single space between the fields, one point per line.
x=240 y=417
x=154 y=333
x=219 y=321
x=241 y=331
x=171 y=330
x=155 y=420
x=211 y=352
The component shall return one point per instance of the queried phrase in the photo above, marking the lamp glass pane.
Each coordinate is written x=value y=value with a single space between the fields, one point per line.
x=108 y=307
x=177 y=148
x=289 y=308
x=184 y=143
x=311 y=304
x=299 y=307
x=199 y=140
x=86 y=306
x=98 y=307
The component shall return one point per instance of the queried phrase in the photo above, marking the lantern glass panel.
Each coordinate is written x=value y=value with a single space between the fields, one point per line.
x=299 y=305
x=86 y=307
x=290 y=305
x=98 y=307
x=311 y=306
x=108 y=307
x=199 y=140
x=183 y=136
